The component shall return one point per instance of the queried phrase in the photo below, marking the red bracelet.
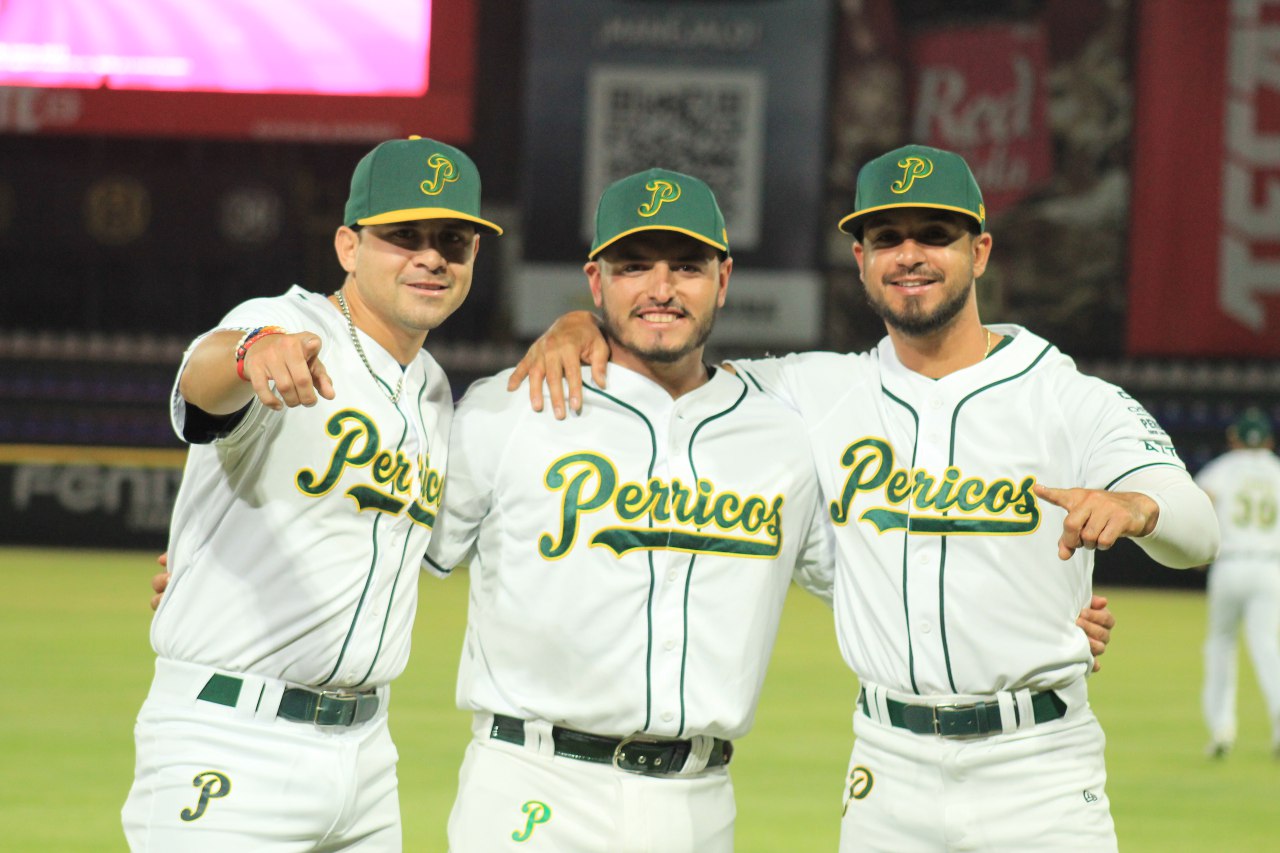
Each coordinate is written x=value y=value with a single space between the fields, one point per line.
x=250 y=338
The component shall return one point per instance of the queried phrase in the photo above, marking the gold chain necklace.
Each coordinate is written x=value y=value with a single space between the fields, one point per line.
x=394 y=397
x=984 y=355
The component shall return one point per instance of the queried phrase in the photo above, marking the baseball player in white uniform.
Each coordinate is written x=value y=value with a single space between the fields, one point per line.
x=1244 y=581
x=319 y=431
x=630 y=565
x=962 y=465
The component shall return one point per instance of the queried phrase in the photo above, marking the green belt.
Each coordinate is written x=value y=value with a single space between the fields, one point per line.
x=979 y=718
x=324 y=708
x=635 y=754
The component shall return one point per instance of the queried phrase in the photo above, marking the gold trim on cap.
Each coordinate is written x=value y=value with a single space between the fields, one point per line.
x=700 y=238
x=871 y=210
x=413 y=214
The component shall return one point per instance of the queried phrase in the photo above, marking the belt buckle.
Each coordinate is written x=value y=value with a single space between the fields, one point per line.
x=937 y=724
x=623 y=744
x=346 y=708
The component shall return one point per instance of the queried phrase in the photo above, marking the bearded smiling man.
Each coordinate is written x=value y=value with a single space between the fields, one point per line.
x=667 y=332
x=968 y=471
x=940 y=270
x=629 y=566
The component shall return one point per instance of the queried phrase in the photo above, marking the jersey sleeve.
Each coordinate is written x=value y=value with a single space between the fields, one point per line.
x=475 y=448
x=1121 y=436
x=195 y=426
x=771 y=375
x=815 y=563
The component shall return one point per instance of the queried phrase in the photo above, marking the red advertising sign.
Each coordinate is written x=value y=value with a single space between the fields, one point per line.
x=981 y=92
x=1205 y=233
x=322 y=70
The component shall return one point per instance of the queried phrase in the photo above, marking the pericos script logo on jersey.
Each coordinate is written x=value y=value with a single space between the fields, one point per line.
x=588 y=482
x=923 y=503
x=401 y=483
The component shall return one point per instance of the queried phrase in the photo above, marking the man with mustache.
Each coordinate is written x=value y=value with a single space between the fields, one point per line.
x=319 y=430
x=630 y=566
x=968 y=472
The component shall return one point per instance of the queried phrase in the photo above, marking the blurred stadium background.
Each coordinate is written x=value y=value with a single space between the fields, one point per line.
x=153 y=176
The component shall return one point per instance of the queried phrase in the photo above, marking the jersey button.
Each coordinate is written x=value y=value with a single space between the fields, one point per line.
x=669 y=645
x=925 y=627
x=668 y=717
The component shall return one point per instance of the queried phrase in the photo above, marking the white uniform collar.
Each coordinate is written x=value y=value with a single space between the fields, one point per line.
x=722 y=389
x=1014 y=357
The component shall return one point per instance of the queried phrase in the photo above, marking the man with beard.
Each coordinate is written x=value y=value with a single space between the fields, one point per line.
x=968 y=471
x=630 y=565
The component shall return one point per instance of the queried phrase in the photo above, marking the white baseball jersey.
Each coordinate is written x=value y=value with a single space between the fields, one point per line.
x=948 y=580
x=1244 y=585
x=630 y=564
x=1245 y=486
x=297 y=537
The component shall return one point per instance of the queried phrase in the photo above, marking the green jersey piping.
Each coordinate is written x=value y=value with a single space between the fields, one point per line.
x=648 y=651
x=395 y=582
x=754 y=381
x=688 y=578
x=439 y=568
x=373 y=564
x=951 y=461
x=906 y=533
x=1139 y=468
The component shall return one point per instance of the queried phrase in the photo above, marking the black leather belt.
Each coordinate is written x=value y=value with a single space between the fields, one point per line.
x=978 y=718
x=635 y=754
x=324 y=707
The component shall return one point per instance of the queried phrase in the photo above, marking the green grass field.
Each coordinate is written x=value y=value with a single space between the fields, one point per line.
x=74 y=629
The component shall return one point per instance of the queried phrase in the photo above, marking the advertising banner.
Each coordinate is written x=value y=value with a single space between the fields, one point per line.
x=309 y=70
x=89 y=497
x=734 y=92
x=1204 y=277
x=981 y=91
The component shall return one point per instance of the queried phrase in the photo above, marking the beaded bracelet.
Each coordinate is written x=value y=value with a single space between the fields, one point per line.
x=250 y=338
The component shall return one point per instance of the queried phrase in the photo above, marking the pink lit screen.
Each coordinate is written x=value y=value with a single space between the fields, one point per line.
x=301 y=47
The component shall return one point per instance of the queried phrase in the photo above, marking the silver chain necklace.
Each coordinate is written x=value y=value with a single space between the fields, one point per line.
x=355 y=339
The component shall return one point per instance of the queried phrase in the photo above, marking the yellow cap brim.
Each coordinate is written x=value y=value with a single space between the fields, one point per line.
x=699 y=237
x=858 y=215
x=413 y=214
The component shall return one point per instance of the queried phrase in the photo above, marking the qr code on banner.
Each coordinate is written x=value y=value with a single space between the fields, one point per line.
x=704 y=122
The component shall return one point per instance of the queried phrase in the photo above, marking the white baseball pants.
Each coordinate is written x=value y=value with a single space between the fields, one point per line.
x=528 y=799
x=1245 y=592
x=1042 y=788
x=211 y=778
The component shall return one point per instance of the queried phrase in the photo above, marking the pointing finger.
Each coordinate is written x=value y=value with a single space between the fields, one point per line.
x=323 y=383
x=1057 y=497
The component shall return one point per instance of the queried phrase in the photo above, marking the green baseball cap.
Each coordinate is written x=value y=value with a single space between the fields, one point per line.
x=659 y=200
x=403 y=180
x=916 y=176
x=1252 y=428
